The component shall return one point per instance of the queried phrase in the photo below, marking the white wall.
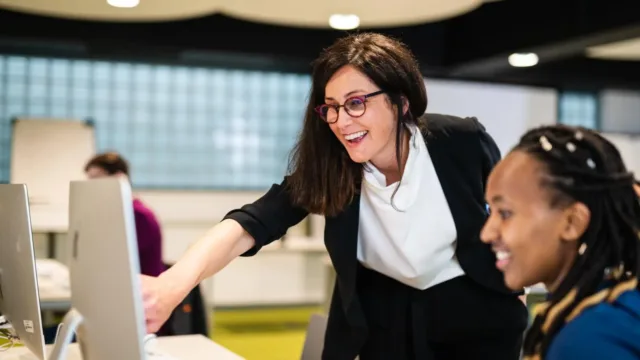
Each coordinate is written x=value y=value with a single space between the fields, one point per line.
x=629 y=147
x=620 y=111
x=506 y=111
x=620 y=123
x=293 y=276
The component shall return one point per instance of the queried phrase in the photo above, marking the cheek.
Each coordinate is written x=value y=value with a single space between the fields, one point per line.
x=380 y=123
x=335 y=129
x=535 y=250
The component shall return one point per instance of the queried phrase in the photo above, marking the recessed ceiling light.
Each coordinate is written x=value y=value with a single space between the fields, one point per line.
x=123 y=3
x=523 y=59
x=344 y=21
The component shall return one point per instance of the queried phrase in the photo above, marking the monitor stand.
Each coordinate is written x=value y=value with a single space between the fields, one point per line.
x=64 y=338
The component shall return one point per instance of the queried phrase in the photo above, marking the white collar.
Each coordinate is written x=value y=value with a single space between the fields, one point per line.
x=376 y=179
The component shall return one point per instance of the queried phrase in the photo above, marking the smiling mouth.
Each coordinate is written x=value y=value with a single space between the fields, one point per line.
x=356 y=137
x=503 y=258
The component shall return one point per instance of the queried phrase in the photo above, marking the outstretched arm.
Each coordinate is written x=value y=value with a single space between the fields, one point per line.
x=243 y=232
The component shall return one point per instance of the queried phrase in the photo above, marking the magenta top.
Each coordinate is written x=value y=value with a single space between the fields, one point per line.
x=149 y=240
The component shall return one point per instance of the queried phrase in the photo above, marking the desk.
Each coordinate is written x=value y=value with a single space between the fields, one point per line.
x=55 y=299
x=186 y=347
x=53 y=285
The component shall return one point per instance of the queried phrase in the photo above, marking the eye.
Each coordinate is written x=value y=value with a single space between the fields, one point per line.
x=355 y=102
x=322 y=109
x=504 y=214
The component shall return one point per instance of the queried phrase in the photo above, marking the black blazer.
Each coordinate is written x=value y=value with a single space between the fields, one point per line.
x=463 y=155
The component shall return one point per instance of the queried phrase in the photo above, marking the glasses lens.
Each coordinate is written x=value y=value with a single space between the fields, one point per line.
x=355 y=107
x=331 y=114
x=322 y=111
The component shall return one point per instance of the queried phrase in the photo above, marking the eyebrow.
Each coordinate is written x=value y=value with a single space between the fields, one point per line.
x=497 y=199
x=347 y=94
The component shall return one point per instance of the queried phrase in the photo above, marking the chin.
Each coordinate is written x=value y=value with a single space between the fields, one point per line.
x=514 y=283
x=359 y=158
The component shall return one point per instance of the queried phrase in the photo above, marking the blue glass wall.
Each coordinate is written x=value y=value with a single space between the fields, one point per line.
x=579 y=109
x=180 y=127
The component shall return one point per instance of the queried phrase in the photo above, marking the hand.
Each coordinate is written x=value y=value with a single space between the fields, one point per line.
x=157 y=303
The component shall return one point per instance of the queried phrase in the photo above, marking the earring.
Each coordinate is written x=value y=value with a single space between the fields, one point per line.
x=582 y=249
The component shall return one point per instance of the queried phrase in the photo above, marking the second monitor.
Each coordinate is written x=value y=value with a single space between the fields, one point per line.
x=107 y=311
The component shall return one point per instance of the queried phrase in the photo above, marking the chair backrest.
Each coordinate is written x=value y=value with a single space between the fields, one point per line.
x=314 y=341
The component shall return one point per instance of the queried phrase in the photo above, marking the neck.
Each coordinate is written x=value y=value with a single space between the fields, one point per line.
x=553 y=284
x=387 y=163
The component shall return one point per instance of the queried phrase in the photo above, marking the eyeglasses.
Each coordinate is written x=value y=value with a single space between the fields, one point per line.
x=354 y=106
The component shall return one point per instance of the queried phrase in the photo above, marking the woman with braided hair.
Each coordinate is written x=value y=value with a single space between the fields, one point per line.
x=564 y=213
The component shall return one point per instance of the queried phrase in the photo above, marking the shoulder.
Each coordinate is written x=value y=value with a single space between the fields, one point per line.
x=446 y=125
x=606 y=330
x=143 y=214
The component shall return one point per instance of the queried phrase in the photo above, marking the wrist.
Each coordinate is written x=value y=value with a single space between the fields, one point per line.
x=175 y=287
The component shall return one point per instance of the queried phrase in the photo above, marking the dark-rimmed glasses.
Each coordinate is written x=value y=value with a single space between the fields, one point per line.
x=355 y=106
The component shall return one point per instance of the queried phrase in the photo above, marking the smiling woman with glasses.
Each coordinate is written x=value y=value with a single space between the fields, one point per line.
x=403 y=197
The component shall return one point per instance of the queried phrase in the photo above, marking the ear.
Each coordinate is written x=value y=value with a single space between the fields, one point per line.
x=405 y=105
x=578 y=217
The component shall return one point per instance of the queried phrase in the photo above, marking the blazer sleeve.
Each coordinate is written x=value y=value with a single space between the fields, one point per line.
x=268 y=218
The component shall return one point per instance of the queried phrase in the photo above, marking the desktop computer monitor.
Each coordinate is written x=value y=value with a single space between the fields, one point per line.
x=19 y=297
x=107 y=312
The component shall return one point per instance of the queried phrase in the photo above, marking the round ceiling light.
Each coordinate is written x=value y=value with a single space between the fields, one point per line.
x=123 y=3
x=523 y=59
x=344 y=21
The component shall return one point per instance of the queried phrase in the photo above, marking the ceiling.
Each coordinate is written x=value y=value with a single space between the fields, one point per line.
x=625 y=50
x=310 y=14
x=581 y=44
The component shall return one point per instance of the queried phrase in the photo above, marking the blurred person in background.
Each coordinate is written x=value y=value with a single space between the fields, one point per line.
x=147 y=227
x=564 y=213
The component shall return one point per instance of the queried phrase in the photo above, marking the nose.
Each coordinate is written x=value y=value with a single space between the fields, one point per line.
x=489 y=232
x=344 y=119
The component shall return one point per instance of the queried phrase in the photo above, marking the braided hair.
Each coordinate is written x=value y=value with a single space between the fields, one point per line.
x=582 y=166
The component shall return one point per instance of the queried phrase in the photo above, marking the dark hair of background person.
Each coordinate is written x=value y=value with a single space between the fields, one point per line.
x=322 y=178
x=582 y=166
x=111 y=162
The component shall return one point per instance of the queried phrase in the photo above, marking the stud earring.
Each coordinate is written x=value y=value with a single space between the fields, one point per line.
x=582 y=249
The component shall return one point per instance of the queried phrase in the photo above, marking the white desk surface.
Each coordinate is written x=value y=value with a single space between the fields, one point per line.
x=185 y=347
x=53 y=285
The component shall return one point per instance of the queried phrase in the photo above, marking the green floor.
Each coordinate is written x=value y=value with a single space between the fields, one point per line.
x=264 y=334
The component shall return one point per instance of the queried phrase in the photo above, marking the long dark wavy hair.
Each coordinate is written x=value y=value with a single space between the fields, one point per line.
x=322 y=178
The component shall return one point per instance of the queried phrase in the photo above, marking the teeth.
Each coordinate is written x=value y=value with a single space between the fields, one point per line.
x=355 y=135
x=502 y=255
